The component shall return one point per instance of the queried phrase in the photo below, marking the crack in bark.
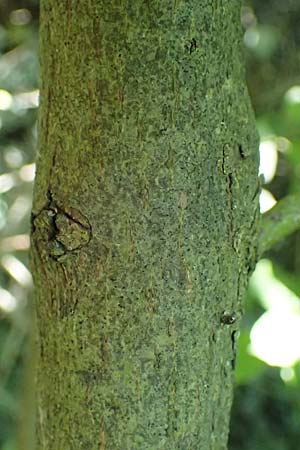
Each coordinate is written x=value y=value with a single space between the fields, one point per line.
x=66 y=229
x=234 y=339
x=192 y=46
x=227 y=170
x=231 y=210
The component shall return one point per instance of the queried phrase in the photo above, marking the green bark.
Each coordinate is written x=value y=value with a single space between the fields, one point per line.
x=144 y=222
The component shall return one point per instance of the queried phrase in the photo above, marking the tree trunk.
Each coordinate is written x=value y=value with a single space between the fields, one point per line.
x=144 y=222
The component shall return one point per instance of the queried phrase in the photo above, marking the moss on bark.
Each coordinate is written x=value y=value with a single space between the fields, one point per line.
x=144 y=222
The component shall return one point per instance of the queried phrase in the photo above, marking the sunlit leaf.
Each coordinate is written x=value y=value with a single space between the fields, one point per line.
x=248 y=366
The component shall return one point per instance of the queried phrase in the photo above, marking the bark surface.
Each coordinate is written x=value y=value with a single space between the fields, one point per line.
x=144 y=222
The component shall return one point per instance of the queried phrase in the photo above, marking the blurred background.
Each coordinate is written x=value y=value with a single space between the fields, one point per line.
x=266 y=410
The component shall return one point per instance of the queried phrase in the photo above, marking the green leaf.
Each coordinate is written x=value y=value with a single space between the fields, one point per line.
x=248 y=366
x=280 y=221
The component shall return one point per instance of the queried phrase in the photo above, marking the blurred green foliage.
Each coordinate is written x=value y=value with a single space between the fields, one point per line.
x=18 y=107
x=266 y=412
x=266 y=406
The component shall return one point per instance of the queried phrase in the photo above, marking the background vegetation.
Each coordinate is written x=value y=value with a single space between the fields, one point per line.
x=266 y=410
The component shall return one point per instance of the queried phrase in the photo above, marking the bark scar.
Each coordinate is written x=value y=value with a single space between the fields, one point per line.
x=234 y=339
x=63 y=229
x=227 y=169
x=191 y=46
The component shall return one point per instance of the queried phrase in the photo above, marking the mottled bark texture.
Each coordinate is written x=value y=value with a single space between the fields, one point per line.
x=144 y=222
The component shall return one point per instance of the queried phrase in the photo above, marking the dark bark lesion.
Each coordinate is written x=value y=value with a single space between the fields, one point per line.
x=59 y=230
x=228 y=318
x=241 y=152
x=192 y=46
x=234 y=340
